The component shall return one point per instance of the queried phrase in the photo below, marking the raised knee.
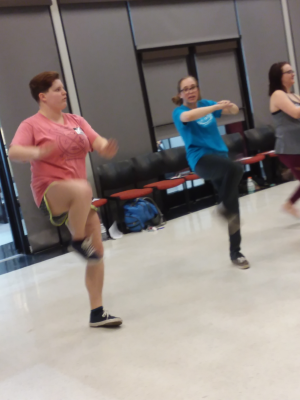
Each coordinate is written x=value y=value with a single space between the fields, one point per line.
x=84 y=189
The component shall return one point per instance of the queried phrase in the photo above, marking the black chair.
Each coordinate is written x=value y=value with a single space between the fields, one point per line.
x=236 y=148
x=262 y=141
x=175 y=159
x=170 y=161
x=115 y=176
x=148 y=167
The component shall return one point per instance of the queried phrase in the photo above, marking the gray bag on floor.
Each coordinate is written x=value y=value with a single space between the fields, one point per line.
x=159 y=219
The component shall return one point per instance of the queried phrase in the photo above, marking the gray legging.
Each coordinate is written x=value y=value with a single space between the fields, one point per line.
x=225 y=175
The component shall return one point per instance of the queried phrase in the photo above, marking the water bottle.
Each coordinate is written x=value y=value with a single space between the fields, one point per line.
x=250 y=185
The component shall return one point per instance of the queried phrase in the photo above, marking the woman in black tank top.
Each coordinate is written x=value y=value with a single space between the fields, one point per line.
x=285 y=108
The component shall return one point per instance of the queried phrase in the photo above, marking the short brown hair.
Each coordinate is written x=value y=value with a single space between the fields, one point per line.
x=177 y=99
x=42 y=83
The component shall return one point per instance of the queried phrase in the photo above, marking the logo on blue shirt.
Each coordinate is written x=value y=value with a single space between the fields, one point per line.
x=204 y=121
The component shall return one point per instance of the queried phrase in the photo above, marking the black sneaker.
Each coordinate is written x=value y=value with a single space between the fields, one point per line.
x=100 y=317
x=240 y=261
x=86 y=249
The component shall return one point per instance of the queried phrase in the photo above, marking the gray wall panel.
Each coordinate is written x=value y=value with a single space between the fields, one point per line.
x=107 y=1
x=294 y=11
x=84 y=1
x=264 y=43
x=106 y=75
x=24 y=3
x=166 y=132
x=219 y=80
x=20 y=60
x=219 y=77
x=161 y=81
x=158 y=23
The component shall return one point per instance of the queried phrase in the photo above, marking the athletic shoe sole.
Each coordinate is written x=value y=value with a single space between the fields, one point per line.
x=107 y=322
x=241 y=266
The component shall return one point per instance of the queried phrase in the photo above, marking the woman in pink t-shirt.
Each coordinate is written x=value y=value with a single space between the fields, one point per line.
x=56 y=145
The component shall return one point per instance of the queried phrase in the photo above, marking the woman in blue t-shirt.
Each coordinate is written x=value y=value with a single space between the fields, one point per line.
x=207 y=154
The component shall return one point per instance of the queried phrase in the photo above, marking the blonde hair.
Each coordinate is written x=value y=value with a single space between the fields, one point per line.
x=177 y=99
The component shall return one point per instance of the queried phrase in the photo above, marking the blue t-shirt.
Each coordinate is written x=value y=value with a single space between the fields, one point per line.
x=201 y=136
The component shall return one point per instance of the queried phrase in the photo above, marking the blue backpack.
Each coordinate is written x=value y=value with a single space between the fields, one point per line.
x=141 y=213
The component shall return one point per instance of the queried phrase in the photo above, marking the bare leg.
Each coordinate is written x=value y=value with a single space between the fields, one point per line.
x=292 y=161
x=94 y=277
x=289 y=208
x=75 y=197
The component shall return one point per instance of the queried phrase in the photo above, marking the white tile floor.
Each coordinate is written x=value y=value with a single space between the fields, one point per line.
x=195 y=327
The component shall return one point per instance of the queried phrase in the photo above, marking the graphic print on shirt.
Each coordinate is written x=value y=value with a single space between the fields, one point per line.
x=205 y=121
x=72 y=145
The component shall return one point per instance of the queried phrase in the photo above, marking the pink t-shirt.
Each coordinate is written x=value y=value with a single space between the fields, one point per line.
x=73 y=141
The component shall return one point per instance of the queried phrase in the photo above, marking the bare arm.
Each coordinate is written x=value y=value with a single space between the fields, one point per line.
x=197 y=113
x=233 y=110
x=29 y=153
x=105 y=148
x=280 y=101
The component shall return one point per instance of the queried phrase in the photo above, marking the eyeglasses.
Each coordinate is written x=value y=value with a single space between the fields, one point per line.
x=290 y=72
x=190 y=89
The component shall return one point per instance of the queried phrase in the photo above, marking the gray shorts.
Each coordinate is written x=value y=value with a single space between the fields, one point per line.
x=56 y=220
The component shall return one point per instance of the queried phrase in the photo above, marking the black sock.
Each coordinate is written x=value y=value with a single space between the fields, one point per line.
x=97 y=311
